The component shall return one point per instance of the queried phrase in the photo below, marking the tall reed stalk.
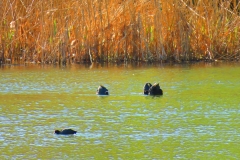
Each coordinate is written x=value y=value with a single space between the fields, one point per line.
x=57 y=31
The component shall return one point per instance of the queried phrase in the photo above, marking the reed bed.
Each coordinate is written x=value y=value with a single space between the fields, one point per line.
x=78 y=31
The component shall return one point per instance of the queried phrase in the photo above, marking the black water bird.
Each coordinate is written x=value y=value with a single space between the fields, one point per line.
x=155 y=90
x=146 y=88
x=65 y=132
x=102 y=90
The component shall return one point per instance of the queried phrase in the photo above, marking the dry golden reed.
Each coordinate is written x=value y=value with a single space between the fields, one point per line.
x=71 y=31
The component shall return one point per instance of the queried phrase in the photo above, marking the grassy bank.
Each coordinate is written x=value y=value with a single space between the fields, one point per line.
x=72 y=31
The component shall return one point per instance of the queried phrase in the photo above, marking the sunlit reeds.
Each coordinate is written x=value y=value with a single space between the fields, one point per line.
x=73 y=31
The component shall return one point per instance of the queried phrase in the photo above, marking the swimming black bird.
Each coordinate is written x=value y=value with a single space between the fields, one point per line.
x=146 y=88
x=65 y=132
x=102 y=90
x=155 y=90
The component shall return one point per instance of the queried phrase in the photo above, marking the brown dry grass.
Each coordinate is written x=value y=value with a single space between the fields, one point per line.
x=57 y=31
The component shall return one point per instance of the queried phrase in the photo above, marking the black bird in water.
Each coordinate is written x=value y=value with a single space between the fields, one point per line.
x=155 y=90
x=65 y=132
x=146 y=88
x=102 y=90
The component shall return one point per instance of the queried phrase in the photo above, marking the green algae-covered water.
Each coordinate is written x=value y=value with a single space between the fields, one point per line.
x=198 y=117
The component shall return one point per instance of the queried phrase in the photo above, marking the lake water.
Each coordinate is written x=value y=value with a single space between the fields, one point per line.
x=198 y=117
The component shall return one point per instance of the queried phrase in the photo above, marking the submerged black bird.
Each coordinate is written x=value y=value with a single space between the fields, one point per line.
x=146 y=88
x=102 y=90
x=65 y=131
x=155 y=90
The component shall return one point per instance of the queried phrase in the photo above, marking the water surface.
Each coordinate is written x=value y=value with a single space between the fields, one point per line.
x=198 y=117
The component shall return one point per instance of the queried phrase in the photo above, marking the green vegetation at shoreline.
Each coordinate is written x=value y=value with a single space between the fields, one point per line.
x=57 y=31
